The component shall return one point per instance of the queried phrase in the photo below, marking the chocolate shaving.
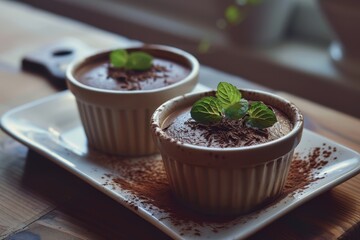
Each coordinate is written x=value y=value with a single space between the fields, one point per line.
x=131 y=78
x=229 y=133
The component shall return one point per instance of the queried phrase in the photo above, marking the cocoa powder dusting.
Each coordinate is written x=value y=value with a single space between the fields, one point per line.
x=148 y=188
x=303 y=170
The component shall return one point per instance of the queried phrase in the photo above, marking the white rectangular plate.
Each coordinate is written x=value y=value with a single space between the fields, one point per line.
x=51 y=126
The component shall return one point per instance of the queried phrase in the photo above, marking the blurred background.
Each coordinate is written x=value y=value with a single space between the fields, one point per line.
x=306 y=47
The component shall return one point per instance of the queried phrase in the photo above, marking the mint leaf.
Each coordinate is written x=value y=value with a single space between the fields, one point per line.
x=118 y=58
x=139 y=61
x=206 y=110
x=237 y=110
x=260 y=116
x=227 y=94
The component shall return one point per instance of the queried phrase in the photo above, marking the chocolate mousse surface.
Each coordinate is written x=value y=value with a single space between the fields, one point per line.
x=225 y=134
x=162 y=73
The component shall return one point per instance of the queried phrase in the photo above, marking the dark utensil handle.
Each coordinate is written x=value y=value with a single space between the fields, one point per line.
x=52 y=60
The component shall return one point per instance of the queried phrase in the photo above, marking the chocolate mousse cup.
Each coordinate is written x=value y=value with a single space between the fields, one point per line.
x=115 y=113
x=226 y=180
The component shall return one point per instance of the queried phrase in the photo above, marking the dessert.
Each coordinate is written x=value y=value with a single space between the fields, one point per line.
x=228 y=133
x=162 y=73
x=226 y=176
x=115 y=112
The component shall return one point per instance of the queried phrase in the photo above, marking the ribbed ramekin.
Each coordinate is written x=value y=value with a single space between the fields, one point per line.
x=118 y=122
x=226 y=181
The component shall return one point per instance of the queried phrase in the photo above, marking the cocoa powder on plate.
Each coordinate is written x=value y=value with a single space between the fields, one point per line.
x=148 y=188
x=303 y=170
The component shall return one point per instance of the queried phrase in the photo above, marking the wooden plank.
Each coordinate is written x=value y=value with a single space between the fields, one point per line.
x=36 y=28
x=22 y=88
x=19 y=205
x=53 y=226
x=332 y=124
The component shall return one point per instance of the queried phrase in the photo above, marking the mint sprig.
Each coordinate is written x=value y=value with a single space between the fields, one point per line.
x=229 y=104
x=137 y=60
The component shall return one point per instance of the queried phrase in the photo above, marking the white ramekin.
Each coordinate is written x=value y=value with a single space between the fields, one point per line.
x=118 y=122
x=227 y=181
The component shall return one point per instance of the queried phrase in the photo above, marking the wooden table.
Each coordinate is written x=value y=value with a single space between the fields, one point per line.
x=38 y=198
